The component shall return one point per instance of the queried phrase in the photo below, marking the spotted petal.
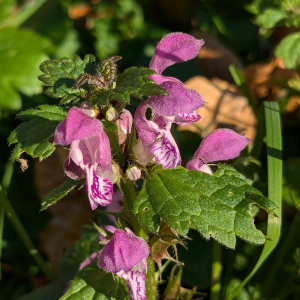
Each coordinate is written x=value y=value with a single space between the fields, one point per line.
x=136 y=283
x=174 y=48
x=187 y=118
x=99 y=189
x=166 y=151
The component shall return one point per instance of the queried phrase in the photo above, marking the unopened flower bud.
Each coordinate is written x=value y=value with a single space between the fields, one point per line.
x=111 y=114
x=133 y=173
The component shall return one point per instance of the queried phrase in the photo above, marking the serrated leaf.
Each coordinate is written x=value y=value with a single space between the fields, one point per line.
x=270 y=17
x=289 y=50
x=60 y=76
x=59 y=192
x=94 y=283
x=21 y=52
x=218 y=206
x=32 y=136
x=133 y=82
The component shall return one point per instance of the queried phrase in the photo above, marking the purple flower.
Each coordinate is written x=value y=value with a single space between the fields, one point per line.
x=221 y=144
x=126 y=256
x=89 y=155
x=124 y=127
x=155 y=139
x=181 y=102
x=179 y=106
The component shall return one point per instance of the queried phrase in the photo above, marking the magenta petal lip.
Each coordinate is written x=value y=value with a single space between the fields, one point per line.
x=122 y=252
x=179 y=100
x=174 y=48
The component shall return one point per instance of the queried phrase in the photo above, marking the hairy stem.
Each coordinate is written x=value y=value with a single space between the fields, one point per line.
x=215 y=291
x=129 y=199
x=151 y=288
x=11 y=214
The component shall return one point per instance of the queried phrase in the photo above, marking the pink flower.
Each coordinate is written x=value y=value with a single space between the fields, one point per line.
x=221 y=144
x=126 y=256
x=179 y=106
x=181 y=102
x=89 y=155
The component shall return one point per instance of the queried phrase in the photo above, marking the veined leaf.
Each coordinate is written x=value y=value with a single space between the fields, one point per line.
x=133 y=82
x=94 y=283
x=218 y=206
x=60 y=76
x=289 y=50
x=32 y=136
x=59 y=192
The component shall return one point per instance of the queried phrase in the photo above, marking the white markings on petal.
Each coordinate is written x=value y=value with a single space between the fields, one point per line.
x=166 y=151
x=99 y=189
x=136 y=283
x=187 y=118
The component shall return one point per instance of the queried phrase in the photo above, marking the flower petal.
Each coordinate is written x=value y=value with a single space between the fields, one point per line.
x=136 y=283
x=76 y=126
x=124 y=128
x=159 y=79
x=221 y=144
x=179 y=100
x=148 y=132
x=198 y=165
x=116 y=205
x=187 y=118
x=166 y=151
x=99 y=189
x=122 y=252
x=88 y=260
x=73 y=170
x=174 y=48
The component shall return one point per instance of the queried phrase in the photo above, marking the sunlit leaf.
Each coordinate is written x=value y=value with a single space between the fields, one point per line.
x=217 y=206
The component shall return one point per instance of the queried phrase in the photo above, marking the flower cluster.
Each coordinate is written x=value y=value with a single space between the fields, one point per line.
x=91 y=157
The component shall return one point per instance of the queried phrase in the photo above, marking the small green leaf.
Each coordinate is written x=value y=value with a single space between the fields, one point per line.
x=32 y=136
x=60 y=76
x=108 y=126
x=94 y=283
x=133 y=82
x=59 y=192
x=21 y=52
x=218 y=206
x=289 y=50
x=270 y=17
x=289 y=4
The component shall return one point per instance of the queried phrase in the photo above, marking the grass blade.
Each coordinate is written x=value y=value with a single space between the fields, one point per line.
x=274 y=150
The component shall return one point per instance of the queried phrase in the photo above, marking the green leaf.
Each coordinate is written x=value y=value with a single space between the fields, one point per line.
x=108 y=126
x=60 y=76
x=270 y=120
x=289 y=50
x=290 y=4
x=133 y=82
x=270 y=17
x=21 y=52
x=218 y=206
x=6 y=10
x=59 y=192
x=32 y=136
x=94 y=283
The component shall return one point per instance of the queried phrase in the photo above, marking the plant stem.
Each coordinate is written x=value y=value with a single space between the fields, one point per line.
x=8 y=172
x=129 y=199
x=151 y=289
x=11 y=214
x=216 y=273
